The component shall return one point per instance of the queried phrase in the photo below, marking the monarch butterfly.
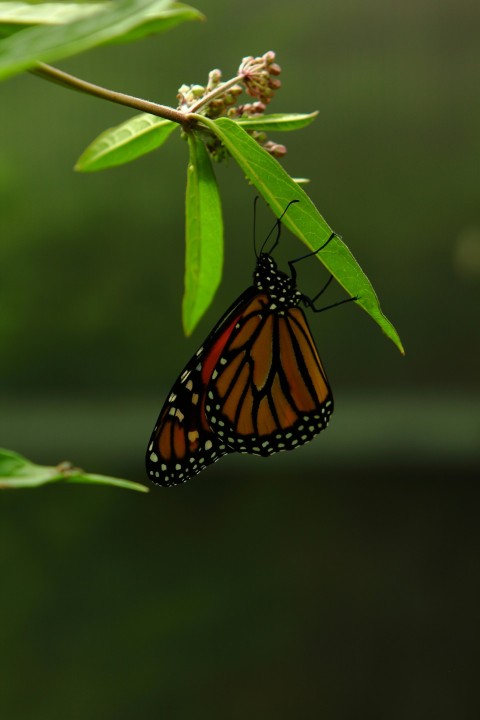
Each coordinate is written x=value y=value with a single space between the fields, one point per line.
x=256 y=385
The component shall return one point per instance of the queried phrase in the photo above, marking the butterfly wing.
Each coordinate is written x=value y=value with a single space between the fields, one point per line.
x=269 y=391
x=182 y=442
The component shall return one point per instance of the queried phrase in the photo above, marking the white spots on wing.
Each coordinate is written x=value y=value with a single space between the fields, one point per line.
x=153 y=457
x=189 y=385
x=208 y=445
x=172 y=397
x=172 y=411
x=199 y=351
x=195 y=398
x=179 y=414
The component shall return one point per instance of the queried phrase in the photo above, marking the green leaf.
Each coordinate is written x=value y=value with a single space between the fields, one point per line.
x=158 y=21
x=204 y=235
x=122 y=21
x=18 y=472
x=126 y=142
x=277 y=122
x=16 y=16
x=83 y=478
x=302 y=219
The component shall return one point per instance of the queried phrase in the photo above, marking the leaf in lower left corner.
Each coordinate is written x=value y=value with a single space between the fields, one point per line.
x=18 y=472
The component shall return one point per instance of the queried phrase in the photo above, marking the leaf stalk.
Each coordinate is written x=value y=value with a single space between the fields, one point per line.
x=53 y=74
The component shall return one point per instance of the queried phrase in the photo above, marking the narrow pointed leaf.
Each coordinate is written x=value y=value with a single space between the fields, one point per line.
x=89 y=479
x=122 y=21
x=277 y=122
x=302 y=219
x=18 y=472
x=204 y=235
x=126 y=142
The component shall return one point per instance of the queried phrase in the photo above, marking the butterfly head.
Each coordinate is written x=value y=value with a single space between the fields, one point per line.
x=279 y=286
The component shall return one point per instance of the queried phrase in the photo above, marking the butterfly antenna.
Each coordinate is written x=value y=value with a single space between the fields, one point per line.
x=278 y=226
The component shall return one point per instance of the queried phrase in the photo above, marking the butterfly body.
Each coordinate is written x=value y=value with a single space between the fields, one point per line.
x=256 y=386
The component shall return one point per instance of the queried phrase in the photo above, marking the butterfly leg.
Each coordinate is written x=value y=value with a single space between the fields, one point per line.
x=291 y=263
x=310 y=302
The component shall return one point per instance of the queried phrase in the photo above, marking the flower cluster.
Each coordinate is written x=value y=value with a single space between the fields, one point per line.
x=258 y=77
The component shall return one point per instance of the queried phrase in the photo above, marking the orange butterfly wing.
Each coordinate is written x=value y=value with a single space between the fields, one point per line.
x=257 y=385
x=269 y=391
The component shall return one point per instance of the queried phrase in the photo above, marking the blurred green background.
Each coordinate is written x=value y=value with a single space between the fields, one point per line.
x=338 y=582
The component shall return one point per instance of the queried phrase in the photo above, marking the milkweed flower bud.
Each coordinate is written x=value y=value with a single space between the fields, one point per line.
x=258 y=76
x=275 y=149
x=214 y=78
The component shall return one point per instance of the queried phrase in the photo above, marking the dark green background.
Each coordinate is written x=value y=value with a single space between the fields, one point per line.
x=337 y=582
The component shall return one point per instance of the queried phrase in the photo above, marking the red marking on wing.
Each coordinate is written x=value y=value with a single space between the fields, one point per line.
x=214 y=354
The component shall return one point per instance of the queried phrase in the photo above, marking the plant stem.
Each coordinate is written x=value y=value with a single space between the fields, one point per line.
x=218 y=90
x=48 y=72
